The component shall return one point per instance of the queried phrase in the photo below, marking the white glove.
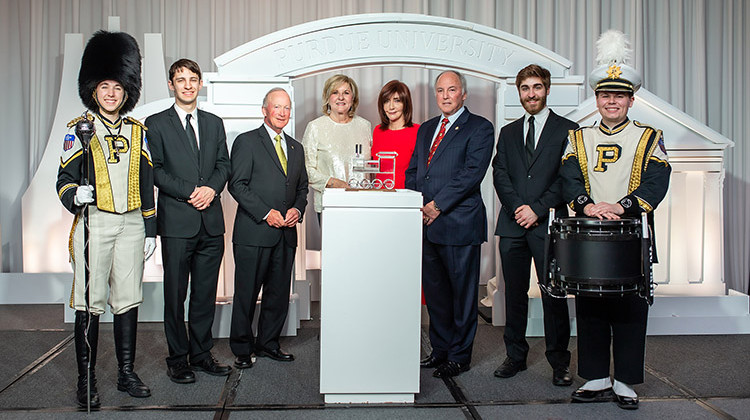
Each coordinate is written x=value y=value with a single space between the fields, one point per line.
x=84 y=195
x=148 y=248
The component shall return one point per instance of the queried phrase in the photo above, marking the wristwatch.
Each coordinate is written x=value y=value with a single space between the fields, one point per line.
x=434 y=204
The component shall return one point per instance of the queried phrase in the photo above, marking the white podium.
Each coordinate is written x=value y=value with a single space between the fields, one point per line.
x=371 y=267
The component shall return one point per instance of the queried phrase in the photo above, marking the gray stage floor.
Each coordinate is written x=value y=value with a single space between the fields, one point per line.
x=687 y=377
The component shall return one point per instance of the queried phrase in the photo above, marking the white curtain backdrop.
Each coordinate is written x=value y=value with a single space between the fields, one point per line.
x=692 y=53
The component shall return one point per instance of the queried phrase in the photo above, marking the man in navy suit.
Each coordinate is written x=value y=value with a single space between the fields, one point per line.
x=191 y=167
x=525 y=173
x=451 y=157
x=269 y=182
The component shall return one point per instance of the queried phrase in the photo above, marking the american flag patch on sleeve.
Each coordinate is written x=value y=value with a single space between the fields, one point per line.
x=68 y=142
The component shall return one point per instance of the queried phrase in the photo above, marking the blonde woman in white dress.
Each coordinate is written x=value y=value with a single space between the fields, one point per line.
x=330 y=139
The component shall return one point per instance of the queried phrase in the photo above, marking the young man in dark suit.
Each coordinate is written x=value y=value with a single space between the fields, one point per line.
x=525 y=173
x=451 y=157
x=191 y=167
x=269 y=182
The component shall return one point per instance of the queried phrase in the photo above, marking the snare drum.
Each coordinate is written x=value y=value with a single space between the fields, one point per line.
x=592 y=257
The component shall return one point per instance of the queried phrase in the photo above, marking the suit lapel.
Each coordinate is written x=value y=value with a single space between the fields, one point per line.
x=425 y=143
x=179 y=128
x=203 y=136
x=291 y=155
x=452 y=132
x=549 y=127
x=265 y=142
x=518 y=142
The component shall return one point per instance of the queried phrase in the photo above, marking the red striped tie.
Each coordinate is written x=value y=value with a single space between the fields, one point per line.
x=436 y=143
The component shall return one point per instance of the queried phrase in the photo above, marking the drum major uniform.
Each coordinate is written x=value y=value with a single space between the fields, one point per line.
x=106 y=179
x=612 y=170
x=122 y=175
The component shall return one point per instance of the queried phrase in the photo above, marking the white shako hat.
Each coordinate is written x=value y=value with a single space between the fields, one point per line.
x=612 y=73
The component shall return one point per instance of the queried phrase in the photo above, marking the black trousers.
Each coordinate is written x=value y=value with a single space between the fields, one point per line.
x=619 y=322
x=195 y=262
x=271 y=269
x=516 y=255
x=450 y=278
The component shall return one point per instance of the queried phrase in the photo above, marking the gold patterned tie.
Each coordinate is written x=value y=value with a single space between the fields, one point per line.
x=280 y=152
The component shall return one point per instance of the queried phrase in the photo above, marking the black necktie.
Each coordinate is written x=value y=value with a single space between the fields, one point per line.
x=530 y=141
x=191 y=134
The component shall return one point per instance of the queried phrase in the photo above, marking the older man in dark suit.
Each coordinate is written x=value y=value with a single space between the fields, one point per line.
x=525 y=173
x=451 y=157
x=269 y=182
x=191 y=167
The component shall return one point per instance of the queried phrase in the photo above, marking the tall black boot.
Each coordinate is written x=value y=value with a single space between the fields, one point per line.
x=125 y=326
x=84 y=395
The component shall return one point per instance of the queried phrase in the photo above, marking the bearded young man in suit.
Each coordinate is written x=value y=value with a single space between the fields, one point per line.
x=191 y=167
x=450 y=159
x=525 y=174
x=269 y=182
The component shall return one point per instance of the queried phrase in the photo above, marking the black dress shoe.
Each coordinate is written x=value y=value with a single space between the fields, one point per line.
x=586 y=396
x=450 y=369
x=562 y=377
x=181 y=373
x=627 y=403
x=212 y=367
x=509 y=368
x=431 y=362
x=276 y=354
x=243 y=362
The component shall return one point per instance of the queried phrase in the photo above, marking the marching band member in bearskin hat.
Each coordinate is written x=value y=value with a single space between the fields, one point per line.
x=114 y=229
x=611 y=170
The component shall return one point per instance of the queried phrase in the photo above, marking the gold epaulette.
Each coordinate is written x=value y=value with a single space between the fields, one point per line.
x=641 y=125
x=572 y=140
x=132 y=120
x=74 y=121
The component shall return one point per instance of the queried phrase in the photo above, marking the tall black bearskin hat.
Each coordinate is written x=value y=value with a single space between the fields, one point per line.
x=110 y=56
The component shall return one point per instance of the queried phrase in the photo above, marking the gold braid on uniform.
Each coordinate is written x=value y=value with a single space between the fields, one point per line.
x=70 y=237
x=74 y=121
x=638 y=165
x=136 y=122
x=148 y=158
x=652 y=148
x=72 y=256
x=571 y=141
x=134 y=171
x=104 y=196
x=644 y=204
x=64 y=188
x=580 y=149
x=75 y=155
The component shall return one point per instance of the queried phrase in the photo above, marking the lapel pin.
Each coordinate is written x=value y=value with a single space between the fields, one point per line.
x=456 y=128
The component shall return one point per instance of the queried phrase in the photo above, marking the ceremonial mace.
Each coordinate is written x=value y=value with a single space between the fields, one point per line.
x=85 y=131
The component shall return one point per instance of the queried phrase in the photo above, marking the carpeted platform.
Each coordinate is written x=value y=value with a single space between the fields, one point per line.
x=687 y=377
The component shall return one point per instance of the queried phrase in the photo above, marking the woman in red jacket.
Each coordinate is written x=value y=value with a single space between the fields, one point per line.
x=396 y=132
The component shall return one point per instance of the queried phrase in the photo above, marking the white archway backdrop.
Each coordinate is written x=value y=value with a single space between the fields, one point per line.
x=413 y=48
x=427 y=45
x=692 y=55
x=418 y=46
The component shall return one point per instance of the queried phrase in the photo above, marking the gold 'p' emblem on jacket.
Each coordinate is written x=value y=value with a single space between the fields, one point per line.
x=117 y=144
x=606 y=153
